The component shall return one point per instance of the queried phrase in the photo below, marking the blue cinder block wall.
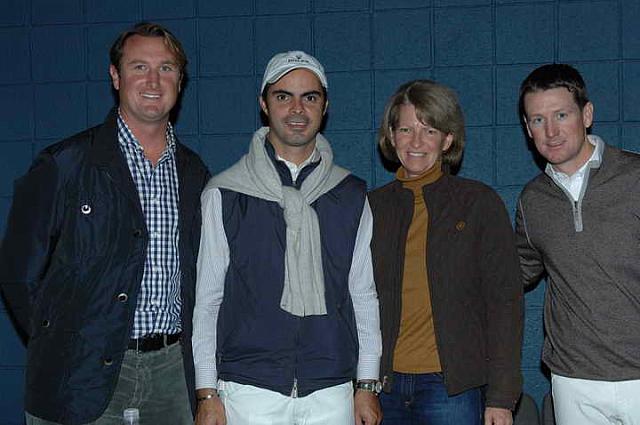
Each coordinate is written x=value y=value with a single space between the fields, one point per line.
x=54 y=82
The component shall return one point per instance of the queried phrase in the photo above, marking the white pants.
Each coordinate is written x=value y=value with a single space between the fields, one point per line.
x=248 y=405
x=588 y=402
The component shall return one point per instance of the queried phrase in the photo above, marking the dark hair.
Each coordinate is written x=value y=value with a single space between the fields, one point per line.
x=147 y=29
x=553 y=76
x=436 y=105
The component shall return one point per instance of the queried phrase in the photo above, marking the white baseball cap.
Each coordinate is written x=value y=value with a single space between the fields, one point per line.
x=283 y=63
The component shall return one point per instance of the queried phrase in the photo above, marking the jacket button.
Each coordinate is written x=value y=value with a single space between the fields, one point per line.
x=85 y=209
x=108 y=361
x=45 y=323
x=137 y=233
x=123 y=297
x=460 y=225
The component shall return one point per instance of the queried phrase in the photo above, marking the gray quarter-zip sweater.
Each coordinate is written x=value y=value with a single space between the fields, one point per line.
x=590 y=253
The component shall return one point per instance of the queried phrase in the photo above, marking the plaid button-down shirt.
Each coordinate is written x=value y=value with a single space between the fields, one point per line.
x=159 y=301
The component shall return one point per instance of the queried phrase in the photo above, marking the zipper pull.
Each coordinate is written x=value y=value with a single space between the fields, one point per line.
x=294 y=390
x=577 y=217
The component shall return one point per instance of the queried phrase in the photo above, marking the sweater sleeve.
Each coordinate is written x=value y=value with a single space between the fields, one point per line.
x=531 y=266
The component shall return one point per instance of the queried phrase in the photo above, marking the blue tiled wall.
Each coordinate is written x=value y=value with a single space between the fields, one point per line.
x=54 y=82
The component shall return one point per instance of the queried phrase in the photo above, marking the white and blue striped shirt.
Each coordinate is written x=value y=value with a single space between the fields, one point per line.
x=159 y=301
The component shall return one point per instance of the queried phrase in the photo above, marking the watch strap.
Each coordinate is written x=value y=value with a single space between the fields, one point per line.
x=371 y=386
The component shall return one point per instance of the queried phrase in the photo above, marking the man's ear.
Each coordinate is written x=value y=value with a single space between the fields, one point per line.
x=326 y=105
x=587 y=115
x=263 y=105
x=115 y=77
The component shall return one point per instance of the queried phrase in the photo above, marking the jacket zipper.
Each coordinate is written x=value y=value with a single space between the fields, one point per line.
x=430 y=280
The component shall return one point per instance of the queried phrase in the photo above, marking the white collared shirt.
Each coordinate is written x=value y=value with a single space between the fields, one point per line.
x=573 y=183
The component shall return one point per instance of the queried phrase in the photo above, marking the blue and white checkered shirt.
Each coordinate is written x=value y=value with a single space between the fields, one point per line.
x=159 y=301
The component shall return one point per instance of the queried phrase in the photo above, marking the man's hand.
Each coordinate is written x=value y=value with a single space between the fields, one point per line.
x=210 y=411
x=367 y=408
x=497 y=416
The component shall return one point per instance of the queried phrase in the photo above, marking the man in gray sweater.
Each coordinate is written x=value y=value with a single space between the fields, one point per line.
x=578 y=224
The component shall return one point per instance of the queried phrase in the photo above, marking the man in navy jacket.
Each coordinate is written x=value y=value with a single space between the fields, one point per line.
x=98 y=261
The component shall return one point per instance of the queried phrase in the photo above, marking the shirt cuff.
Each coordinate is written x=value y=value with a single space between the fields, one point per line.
x=368 y=367
x=206 y=377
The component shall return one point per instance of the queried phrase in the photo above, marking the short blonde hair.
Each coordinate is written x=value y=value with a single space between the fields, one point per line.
x=436 y=105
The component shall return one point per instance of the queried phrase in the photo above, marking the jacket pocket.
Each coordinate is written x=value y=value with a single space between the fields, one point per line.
x=48 y=362
x=53 y=301
x=89 y=226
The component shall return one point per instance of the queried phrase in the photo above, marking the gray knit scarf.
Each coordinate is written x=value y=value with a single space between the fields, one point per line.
x=255 y=175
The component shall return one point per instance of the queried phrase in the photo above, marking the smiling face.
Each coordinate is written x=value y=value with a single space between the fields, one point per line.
x=559 y=128
x=148 y=81
x=418 y=145
x=294 y=105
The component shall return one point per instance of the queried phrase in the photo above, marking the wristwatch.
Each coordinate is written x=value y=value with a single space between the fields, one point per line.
x=371 y=386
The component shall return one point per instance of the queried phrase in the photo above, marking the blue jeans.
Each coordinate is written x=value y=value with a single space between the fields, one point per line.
x=153 y=382
x=422 y=399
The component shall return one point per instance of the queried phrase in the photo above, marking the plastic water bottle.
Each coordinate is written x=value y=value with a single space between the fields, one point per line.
x=131 y=416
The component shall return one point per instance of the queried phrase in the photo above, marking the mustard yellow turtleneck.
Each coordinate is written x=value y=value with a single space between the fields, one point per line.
x=416 y=350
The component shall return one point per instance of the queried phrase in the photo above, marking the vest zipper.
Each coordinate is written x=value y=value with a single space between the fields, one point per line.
x=294 y=388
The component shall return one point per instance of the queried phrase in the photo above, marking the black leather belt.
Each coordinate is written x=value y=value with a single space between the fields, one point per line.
x=153 y=342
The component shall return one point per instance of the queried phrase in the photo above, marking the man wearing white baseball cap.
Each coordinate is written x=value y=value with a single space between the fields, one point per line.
x=286 y=315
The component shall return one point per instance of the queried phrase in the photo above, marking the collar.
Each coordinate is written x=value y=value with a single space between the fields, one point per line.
x=593 y=162
x=289 y=171
x=295 y=168
x=127 y=138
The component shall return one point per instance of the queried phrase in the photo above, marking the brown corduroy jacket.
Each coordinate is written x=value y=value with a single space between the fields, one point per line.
x=474 y=279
